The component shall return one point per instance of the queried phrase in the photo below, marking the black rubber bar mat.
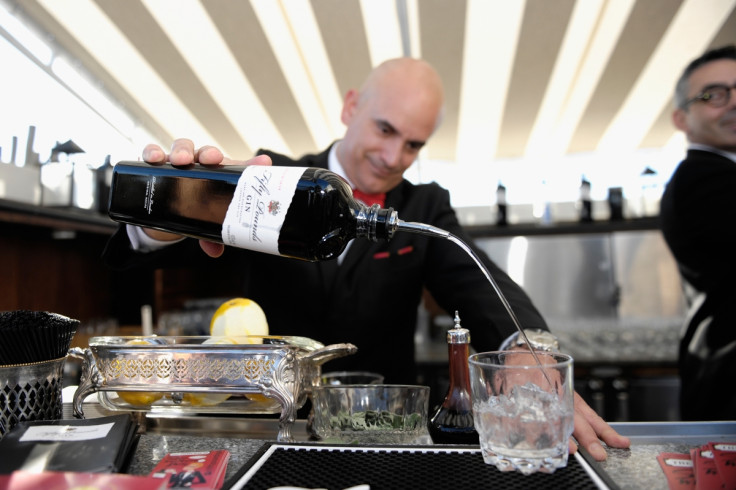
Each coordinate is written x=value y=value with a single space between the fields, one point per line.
x=388 y=467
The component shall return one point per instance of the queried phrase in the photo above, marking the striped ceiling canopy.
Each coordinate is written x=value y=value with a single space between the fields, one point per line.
x=523 y=78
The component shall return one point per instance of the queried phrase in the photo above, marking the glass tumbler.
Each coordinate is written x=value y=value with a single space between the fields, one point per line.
x=523 y=411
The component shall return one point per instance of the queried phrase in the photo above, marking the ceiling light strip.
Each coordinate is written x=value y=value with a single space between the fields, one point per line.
x=25 y=37
x=412 y=11
x=210 y=59
x=601 y=45
x=651 y=93
x=287 y=54
x=112 y=50
x=580 y=29
x=382 y=29
x=402 y=15
x=488 y=59
x=79 y=85
x=93 y=96
x=312 y=53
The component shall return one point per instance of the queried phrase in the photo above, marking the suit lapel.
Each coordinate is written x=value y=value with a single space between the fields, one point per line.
x=358 y=250
x=361 y=247
x=329 y=270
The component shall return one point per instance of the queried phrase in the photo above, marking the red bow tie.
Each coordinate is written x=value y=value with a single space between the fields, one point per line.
x=370 y=199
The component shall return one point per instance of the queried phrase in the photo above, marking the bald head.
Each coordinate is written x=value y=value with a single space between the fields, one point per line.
x=407 y=76
x=388 y=121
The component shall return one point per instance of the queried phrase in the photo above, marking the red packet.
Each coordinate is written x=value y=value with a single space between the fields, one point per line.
x=193 y=470
x=724 y=454
x=694 y=458
x=678 y=468
x=63 y=480
x=706 y=472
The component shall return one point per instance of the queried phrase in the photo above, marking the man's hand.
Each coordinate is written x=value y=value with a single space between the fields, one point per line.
x=590 y=429
x=183 y=153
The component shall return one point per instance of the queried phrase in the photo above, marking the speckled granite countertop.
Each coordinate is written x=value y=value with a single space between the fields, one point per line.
x=152 y=447
x=634 y=468
x=637 y=467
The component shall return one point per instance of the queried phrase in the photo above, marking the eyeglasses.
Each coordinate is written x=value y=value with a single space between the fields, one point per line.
x=714 y=96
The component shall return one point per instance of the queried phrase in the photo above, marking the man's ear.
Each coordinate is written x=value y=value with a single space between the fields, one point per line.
x=348 y=106
x=679 y=119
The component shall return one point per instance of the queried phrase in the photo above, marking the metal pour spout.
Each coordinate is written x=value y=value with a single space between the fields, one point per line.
x=421 y=229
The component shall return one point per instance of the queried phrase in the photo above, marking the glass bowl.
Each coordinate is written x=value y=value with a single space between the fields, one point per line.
x=351 y=378
x=371 y=414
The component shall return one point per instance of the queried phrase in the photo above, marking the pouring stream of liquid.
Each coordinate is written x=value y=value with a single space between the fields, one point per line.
x=433 y=231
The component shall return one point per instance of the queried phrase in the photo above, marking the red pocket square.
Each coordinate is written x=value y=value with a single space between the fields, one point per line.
x=401 y=251
x=406 y=250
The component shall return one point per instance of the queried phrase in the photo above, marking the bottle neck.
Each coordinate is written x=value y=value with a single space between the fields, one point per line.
x=375 y=222
x=459 y=371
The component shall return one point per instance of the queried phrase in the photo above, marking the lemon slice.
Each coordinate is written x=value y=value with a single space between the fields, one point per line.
x=139 y=398
x=238 y=317
x=257 y=397
x=205 y=400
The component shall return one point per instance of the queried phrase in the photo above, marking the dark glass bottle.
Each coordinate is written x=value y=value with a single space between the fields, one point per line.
x=501 y=216
x=103 y=177
x=586 y=205
x=305 y=213
x=452 y=423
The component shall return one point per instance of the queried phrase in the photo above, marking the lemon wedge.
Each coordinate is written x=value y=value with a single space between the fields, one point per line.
x=238 y=317
x=139 y=398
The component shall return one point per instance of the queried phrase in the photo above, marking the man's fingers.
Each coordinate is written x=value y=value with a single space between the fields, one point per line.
x=182 y=152
x=603 y=431
x=260 y=160
x=590 y=429
x=211 y=248
x=587 y=438
x=154 y=154
x=209 y=155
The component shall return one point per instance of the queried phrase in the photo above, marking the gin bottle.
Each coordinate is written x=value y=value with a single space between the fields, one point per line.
x=301 y=212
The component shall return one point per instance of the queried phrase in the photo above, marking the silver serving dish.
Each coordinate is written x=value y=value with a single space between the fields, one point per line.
x=185 y=375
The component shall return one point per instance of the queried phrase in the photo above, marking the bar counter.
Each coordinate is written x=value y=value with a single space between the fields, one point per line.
x=633 y=468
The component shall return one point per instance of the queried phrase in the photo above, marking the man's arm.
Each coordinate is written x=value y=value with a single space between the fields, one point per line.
x=454 y=280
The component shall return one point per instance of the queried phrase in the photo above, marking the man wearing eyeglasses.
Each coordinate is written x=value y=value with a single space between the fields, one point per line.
x=698 y=219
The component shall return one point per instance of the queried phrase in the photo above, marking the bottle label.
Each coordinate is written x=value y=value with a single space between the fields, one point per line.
x=258 y=209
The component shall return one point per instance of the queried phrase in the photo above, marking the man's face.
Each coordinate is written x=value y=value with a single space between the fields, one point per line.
x=385 y=131
x=702 y=123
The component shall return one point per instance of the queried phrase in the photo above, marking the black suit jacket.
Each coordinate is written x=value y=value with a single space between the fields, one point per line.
x=371 y=299
x=698 y=220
